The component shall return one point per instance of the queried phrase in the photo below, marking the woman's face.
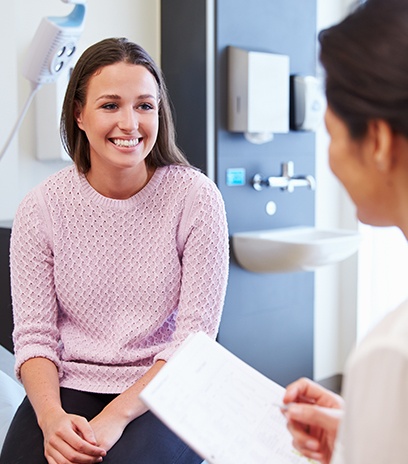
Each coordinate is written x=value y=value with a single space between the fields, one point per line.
x=120 y=116
x=352 y=162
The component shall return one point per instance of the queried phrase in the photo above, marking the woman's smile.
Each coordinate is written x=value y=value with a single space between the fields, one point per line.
x=126 y=143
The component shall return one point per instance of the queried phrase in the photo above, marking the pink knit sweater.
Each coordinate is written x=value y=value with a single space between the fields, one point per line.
x=104 y=287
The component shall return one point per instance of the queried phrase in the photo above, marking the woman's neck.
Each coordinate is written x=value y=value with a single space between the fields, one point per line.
x=119 y=185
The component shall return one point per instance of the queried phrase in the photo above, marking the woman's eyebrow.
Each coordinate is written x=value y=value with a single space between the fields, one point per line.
x=118 y=97
x=108 y=97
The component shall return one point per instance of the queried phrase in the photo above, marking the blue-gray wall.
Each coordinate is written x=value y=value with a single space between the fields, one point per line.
x=268 y=318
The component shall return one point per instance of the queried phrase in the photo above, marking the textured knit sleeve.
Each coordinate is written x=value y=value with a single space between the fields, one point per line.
x=205 y=256
x=32 y=283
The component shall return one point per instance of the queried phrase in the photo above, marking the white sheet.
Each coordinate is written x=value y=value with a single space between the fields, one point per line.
x=7 y=362
x=11 y=395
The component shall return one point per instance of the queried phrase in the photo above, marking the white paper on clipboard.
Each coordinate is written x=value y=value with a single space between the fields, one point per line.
x=220 y=406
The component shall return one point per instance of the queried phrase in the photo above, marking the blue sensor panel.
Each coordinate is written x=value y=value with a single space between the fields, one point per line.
x=235 y=177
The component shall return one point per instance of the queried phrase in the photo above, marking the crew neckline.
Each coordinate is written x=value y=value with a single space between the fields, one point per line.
x=142 y=195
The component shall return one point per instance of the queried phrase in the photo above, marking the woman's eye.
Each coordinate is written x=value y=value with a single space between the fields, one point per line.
x=146 y=106
x=109 y=106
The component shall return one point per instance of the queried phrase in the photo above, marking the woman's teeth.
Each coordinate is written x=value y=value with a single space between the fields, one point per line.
x=125 y=143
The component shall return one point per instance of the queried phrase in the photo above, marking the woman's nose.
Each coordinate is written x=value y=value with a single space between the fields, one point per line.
x=129 y=120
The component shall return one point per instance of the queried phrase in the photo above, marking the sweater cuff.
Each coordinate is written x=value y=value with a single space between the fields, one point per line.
x=31 y=352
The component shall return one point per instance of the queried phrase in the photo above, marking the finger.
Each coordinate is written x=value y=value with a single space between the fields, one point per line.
x=308 y=446
x=84 y=430
x=73 y=446
x=314 y=455
x=313 y=415
x=50 y=459
x=305 y=390
x=84 y=448
x=302 y=438
x=66 y=454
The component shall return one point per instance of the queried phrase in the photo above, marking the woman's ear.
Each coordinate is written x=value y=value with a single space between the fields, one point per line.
x=382 y=137
x=78 y=114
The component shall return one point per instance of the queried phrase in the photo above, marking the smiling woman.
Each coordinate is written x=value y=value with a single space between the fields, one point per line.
x=125 y=254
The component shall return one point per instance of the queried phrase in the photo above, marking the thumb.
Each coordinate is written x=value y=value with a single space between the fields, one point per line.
x=313 y=415
x=84 y=430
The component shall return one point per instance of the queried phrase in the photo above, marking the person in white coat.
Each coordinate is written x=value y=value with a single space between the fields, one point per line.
x=365 y=58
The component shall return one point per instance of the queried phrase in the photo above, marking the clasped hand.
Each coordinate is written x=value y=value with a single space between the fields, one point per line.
x=313 y=416
x=71 y=439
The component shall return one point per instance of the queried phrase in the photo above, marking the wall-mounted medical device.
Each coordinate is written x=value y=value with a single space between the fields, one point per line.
x=258 y=94
x=54 y=45
x=48 y=109
x=51 y=50
x=307 y=103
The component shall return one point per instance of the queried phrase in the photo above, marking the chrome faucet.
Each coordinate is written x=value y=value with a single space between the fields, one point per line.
x=286 y=181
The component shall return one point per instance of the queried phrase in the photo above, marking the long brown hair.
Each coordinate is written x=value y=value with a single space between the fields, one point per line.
x=105 y=53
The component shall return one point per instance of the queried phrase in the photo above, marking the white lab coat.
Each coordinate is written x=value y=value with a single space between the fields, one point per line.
x=375 y=425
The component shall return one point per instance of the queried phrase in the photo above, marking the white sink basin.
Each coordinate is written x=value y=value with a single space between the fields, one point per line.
x=293 y=249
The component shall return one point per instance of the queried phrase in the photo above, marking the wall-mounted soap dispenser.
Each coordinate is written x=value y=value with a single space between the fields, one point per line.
x=258 y=94
x=307 y=103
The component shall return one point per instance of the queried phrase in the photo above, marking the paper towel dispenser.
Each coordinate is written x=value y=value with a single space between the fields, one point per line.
x=258 y=93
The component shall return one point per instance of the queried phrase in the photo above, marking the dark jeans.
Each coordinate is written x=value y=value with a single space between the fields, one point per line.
x=145 y=440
